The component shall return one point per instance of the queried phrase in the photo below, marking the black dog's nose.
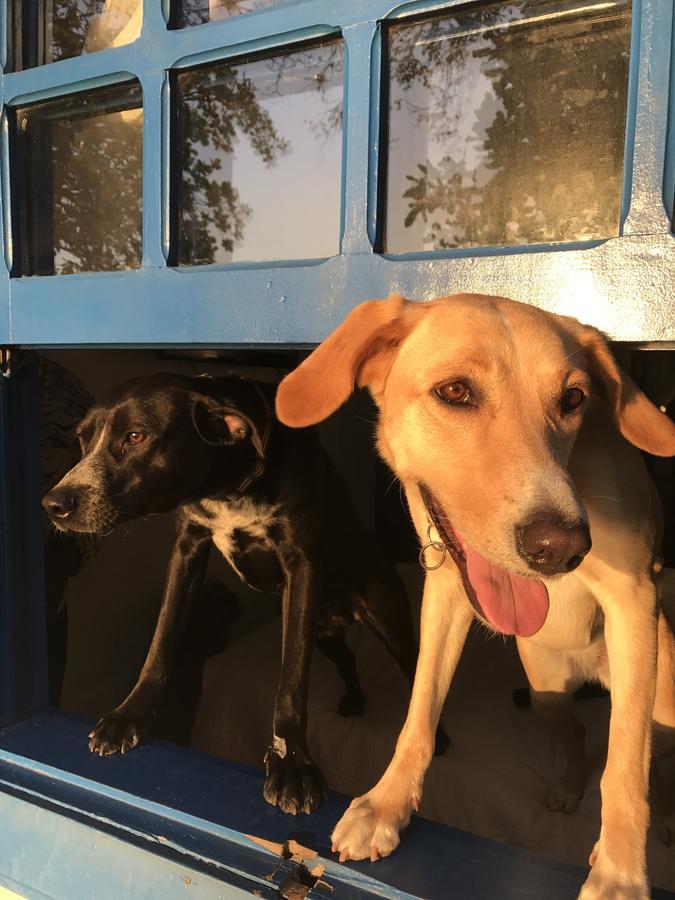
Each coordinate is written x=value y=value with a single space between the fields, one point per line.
x=550 y=545
x=60 y=503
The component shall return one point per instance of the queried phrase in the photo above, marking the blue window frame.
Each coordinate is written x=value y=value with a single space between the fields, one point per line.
x=621 y=283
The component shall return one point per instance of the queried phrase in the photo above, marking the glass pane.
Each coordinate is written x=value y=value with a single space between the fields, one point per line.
x=59 y=29
x=196 y=12
x=77 y=174
x=507 y=125
x=260 y=146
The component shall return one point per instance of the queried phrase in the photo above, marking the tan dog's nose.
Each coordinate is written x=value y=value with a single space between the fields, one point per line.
x=550 y=545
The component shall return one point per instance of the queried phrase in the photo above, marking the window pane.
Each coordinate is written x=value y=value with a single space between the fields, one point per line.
x=196 y=12
x=507 y=125
x=260 y=147
x=59 y=29
x=77 y=178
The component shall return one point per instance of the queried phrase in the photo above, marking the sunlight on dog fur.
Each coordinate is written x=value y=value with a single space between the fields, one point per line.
x=513 y=432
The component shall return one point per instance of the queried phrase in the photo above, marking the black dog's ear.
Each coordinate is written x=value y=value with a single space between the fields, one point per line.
x=221 y=425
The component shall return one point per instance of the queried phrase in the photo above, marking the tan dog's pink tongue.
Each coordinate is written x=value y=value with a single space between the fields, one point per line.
x=511 y=603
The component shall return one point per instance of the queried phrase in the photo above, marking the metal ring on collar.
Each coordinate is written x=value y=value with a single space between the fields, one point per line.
x=438 y=546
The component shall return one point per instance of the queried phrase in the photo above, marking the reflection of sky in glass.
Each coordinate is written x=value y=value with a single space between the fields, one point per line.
x=195 y=12
x=283 y=161
x=507 y=125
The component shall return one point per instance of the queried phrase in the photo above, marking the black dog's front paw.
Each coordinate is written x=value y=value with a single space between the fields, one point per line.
x=117 y=733
x=293 y=782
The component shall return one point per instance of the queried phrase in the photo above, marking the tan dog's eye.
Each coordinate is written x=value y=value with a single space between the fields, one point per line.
x=455 y=392
x=571 y=399
x=135 y=437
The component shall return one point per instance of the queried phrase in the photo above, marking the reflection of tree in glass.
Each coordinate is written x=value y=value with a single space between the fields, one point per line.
x=219 y=105
x=97 y=191
x=96 y=161
x=215 y=106
x=70 y=23
x=314 y=69
x=542 y=159
x=85 y=26
x=81 y=181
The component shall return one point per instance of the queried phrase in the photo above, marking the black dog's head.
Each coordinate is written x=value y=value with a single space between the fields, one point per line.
x=156 y=442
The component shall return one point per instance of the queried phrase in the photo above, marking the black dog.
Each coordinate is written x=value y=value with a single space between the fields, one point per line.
x=273 y=504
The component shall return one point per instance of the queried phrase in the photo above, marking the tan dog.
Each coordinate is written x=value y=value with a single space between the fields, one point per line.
x=511 y=431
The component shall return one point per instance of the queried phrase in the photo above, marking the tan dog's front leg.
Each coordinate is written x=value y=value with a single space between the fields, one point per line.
x=618 y=859
x=370 y=827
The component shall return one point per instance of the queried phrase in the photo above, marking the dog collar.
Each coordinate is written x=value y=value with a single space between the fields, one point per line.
x=238 y=492
x=437 y=546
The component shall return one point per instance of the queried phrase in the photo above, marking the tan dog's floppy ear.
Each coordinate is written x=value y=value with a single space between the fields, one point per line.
x=358 y=352
x=638 y=420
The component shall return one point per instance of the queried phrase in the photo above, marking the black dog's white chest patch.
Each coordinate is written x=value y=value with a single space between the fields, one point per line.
x=224 y=518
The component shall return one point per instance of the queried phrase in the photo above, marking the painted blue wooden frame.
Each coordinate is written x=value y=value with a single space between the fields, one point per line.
x=194 y=825
x=23 y=647
x=623 y=285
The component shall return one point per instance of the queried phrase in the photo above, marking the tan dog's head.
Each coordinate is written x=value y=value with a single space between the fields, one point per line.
x=481 y=399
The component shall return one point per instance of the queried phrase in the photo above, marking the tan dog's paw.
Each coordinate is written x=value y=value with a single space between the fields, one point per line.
x=370 y=828
x=601 y=889
x=606 y=883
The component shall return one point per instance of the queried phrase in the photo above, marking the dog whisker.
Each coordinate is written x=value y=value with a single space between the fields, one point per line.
x=367 y=420
x=573 y=353
x=391 y=484
x=402 y=498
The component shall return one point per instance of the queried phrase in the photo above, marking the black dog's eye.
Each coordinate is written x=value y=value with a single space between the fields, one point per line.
x=135 y=437
x=456 y=393
x=571 y=399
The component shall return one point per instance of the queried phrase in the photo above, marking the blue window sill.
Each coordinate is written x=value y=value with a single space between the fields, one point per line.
x=185 y=809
